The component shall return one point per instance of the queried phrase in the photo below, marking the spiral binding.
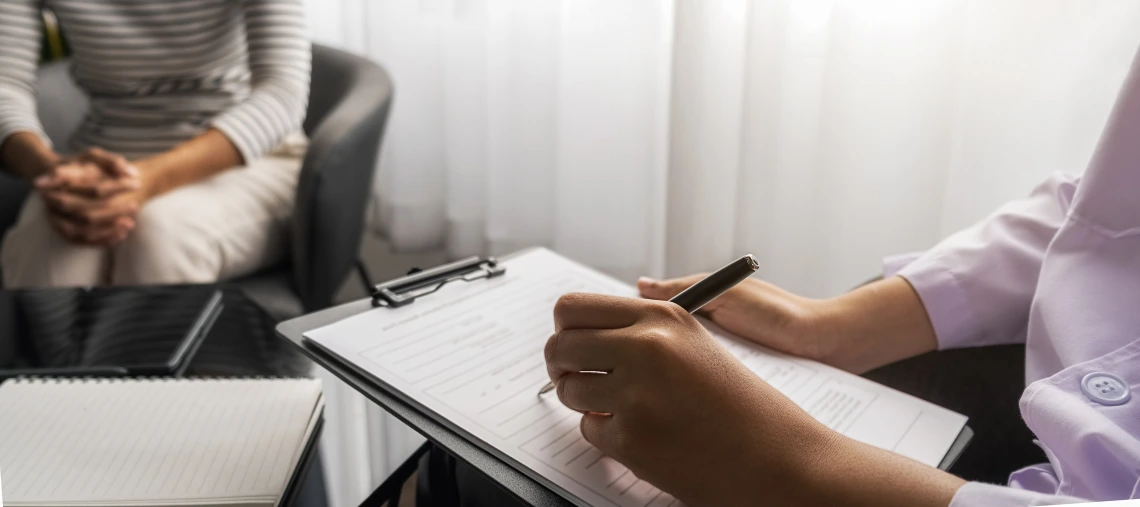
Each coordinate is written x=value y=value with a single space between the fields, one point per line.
x=33 y=379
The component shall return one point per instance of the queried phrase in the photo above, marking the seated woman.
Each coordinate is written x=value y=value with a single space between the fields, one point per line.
x=185 y=166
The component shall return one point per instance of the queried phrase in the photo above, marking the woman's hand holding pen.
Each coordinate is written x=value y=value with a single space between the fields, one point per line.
x=676 y=407
x=685 y=415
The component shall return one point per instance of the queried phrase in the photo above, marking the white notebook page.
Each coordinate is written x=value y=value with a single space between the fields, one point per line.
x=153 y=442
x=473 y=354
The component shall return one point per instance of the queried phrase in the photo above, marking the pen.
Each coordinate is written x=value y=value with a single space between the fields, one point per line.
x=700 y=293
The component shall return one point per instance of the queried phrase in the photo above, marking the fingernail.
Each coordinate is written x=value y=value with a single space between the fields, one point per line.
x=131 y=170
x=645 y=280
x=42 y=181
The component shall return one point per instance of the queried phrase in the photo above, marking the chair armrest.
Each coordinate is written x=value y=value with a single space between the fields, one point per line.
x=336 y=177
x=13 y=192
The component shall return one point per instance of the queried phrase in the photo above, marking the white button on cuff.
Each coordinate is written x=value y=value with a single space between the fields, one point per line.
x=1106 y=388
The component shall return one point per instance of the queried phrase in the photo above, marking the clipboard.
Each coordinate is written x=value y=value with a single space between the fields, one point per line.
x=406 y=290
x=418 y=284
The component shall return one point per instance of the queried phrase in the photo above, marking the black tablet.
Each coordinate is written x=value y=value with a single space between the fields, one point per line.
x=114 y=331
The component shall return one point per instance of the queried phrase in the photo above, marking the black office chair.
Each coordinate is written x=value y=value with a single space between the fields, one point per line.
x=348 y=110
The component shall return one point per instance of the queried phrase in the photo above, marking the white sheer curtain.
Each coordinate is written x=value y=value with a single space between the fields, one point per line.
x=520 y=123
x=666 y=136
x=821 y=135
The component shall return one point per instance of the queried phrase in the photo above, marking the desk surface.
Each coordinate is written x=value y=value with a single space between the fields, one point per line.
x=116 y=326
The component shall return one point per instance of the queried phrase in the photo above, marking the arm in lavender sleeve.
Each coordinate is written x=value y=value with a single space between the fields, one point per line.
x=977 y=284
x=977 y=494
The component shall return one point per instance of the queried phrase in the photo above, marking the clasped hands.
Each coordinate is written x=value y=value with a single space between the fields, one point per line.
x=93 y=198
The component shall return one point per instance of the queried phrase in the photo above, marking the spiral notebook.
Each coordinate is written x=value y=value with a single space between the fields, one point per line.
x=154 y=442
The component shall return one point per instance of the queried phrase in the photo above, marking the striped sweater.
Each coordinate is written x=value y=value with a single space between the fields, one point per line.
x=159 y=72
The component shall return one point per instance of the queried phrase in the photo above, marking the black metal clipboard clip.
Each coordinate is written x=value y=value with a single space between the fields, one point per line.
x=405 y=290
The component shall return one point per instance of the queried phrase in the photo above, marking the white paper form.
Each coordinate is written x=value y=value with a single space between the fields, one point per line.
x=472 y=353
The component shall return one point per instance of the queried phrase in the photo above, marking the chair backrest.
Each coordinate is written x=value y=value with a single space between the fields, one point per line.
x=349 y=103
x=60 y=103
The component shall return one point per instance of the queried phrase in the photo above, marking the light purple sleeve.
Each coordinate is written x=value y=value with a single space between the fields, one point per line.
x=977 y=494
x=977 y=284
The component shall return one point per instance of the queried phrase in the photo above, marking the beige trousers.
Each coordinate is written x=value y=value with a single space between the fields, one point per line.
x=229 y=225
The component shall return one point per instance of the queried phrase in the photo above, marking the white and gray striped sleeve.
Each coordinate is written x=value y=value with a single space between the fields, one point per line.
x=280 y=58
x=21 y=27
